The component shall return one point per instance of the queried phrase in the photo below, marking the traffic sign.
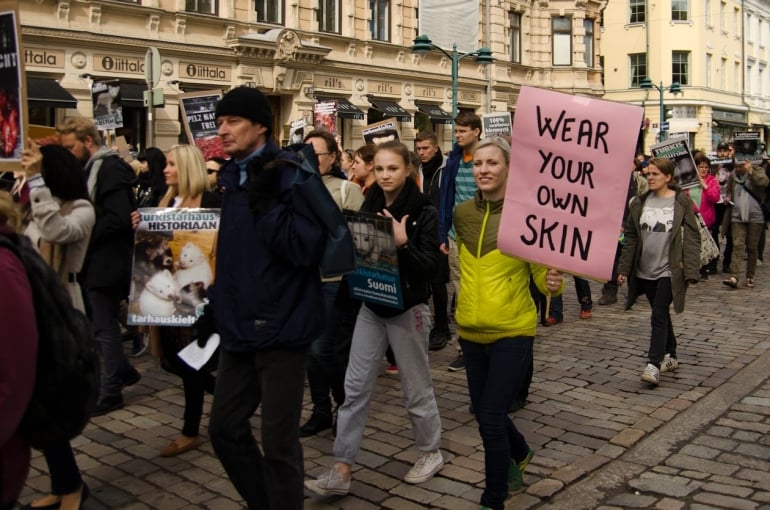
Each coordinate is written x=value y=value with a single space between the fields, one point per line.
x=664 y=126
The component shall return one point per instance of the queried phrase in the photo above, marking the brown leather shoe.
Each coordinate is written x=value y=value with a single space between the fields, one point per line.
x=181 y=445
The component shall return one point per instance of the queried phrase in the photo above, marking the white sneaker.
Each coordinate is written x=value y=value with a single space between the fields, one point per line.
x=668 y=364
x=426 y=466
x=651 y=374
x=330 y=484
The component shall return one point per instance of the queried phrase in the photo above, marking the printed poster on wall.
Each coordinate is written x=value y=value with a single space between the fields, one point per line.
x=297 y=131
x=568 y=181
x=173 y=265
x=382 y=131
x=13 y=100
x=325 y=116
x=108 y=111
x=497 y=124
x=199 y=118
x=376 y=279
x=677 y=151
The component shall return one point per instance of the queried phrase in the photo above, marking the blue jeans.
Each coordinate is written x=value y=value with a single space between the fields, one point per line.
x=583 y=291
x=495 y=374
x=275 y=378
x=662 y=338
x=324 y=369
x=105 y=309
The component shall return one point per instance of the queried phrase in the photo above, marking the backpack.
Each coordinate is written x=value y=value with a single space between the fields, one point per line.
x=67 y=376
x=339 y=252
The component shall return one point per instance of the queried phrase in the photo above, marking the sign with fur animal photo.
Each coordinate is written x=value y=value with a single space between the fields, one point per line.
x=376 y=279
x=108 y=111
x=173 y=265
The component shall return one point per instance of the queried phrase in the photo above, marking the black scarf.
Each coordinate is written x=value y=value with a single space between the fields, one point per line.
x=409 y=200
x=429 y=169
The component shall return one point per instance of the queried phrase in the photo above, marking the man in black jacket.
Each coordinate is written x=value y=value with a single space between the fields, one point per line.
x=432 y=163
x=108 y=262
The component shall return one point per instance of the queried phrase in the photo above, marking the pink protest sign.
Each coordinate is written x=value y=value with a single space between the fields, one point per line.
x=571 y=161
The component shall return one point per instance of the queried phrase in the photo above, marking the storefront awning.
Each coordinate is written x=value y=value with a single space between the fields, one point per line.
x=132 y=94
x=345 y=109
x=434 y=112
x=390 y=109
x=47 y=93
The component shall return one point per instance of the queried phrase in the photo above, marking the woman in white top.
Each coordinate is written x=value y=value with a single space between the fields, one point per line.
x=59 y=223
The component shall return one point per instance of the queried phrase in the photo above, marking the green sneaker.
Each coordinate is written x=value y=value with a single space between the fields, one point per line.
x=516 y=473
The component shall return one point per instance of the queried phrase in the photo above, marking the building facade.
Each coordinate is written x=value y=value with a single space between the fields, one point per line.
x=357 y=52
x=715 y=50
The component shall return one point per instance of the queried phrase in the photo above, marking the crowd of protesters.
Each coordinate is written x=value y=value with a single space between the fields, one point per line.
x=279 y=322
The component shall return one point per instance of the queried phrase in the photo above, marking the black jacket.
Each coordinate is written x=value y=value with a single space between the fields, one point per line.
x=418 y=259
x=108 y=262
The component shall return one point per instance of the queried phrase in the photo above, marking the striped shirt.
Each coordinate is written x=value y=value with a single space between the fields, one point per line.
x=465 y=187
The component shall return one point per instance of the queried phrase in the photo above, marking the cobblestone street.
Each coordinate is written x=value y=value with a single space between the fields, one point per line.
x=602 y=438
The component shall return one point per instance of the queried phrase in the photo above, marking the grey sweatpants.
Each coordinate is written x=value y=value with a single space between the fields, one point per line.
x=407 y=334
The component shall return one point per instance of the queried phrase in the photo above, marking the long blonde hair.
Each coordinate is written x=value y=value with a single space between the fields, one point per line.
x=192 y=179
x=9 y=211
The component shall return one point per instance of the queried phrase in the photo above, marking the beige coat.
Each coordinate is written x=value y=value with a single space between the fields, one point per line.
x=72 y=231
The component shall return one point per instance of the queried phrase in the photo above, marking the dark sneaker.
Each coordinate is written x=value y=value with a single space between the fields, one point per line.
x=318 y=422
x=438 y=339
x=131 y=377
x=107 y=405
x=458 y=364
x=608 y=299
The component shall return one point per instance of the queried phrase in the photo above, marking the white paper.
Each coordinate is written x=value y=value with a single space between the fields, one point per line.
x=197 y=357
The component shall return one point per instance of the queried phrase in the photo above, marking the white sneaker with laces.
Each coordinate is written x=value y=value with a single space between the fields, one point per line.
x=426 y=466
x=330 y=484
x=651 y=374
x=668 y=364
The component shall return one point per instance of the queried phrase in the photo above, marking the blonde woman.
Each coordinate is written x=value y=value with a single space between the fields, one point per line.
x=188 y=187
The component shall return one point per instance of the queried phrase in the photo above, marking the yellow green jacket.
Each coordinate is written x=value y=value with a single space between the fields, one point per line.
x=494 y=300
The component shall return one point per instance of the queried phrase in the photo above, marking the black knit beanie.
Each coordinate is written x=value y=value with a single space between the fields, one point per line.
x=249 y=103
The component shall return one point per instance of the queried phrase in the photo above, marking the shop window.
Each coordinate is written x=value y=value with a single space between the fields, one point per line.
x=269 y=11
x=201 y=6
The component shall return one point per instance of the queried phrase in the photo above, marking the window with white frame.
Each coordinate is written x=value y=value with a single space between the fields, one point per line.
x=561 y=27
x=737 y=77
x=722 y=16
x=515 y=18
x=680 y=10
x=736 y=21
x=749 y=78
x=201 y=6
x=269 y=11
x=761 y=85
x=637 y=64
x=329 y=16
x=680 y=67
x=380 y=22
x=707 y=12
x=637 y=11
x=723 y=74
x=749 y=32
x=588 y=41
x=708 y=70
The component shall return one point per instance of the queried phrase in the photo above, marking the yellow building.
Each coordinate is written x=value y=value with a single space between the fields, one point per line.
x=356 y=52
x=705 y=47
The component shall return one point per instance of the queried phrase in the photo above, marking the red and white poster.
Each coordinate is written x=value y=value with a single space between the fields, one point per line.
x=325 y=116
x=12 y=98
x=571 y=160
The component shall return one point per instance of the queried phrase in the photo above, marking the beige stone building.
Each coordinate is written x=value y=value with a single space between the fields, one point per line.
x=357 y=52
x=716 y=50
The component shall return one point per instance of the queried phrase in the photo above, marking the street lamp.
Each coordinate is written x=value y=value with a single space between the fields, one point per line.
x=423 y=44
x=674 y=88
